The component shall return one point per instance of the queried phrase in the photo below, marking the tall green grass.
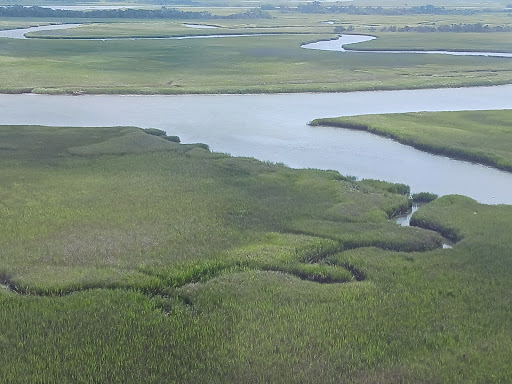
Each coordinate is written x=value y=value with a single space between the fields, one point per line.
x=479 y=136
x=256 y=64
x=413 y=41
x=118 y=207
x=142 y=260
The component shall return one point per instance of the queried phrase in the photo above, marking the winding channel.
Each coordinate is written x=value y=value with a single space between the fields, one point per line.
x=337 y=44
x=21 y=33
x=274 y=127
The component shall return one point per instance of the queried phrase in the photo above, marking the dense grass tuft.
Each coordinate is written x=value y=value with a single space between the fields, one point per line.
x=424 y=197
x=162 y=134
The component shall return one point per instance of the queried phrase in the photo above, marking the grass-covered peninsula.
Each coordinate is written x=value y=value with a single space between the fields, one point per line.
x=142 y=56
x=480 y=136
x=126 y=257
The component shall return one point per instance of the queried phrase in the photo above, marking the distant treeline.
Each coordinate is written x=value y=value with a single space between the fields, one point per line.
x=44 y=3
x=125 y=13
x=317 y=7
x=478 y=27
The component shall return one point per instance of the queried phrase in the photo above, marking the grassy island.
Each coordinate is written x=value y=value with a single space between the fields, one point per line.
x=479 y=136
x=145 y=56
x=126 y=257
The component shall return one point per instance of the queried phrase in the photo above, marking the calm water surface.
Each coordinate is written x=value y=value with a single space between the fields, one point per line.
x=20 y=33
x=344 y=40
x=274 y=127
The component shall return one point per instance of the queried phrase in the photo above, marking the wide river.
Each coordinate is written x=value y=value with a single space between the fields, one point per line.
x=274 y=127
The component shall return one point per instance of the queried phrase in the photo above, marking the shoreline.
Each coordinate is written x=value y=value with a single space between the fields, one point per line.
x=93 y=91
x=452 y=153
x=250 y=89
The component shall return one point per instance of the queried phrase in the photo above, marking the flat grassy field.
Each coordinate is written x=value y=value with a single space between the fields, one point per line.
x=128 y=258
x=228 y=65
x=20 y=23
x=479 y=136
x=55 y=63
x=479 y=42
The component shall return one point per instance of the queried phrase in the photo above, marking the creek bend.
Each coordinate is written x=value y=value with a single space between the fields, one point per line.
x=324 y=45
x=20 y=32
x=343 y=40
x=275 y=127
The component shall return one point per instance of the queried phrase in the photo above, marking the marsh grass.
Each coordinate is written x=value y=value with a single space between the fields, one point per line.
x=479 y=136
x=154 y=265
x=109 y=204
x=424 y=197
x=439 y=41
x=257 y=64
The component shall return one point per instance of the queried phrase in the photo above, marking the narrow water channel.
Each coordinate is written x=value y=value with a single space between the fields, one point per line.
x=404 y=220
x=340 y=44
x=325 y=45
x=21 y=32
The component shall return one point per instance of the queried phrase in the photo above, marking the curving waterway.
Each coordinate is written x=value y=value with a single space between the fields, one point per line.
x=275 y=128
x=21 y=32
x=343 y=40
x=324 y=45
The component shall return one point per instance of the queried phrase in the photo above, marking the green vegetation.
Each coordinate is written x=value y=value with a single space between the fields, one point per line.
x=479 y=136
x=136 y=219
x=317 y=7
x=128 y=13
x=162 y=134
x=388 y=41
x=423 y=197
x=233 y=65
x=19 y=23
x=253 y=64
x=128 y=258
x=397 y=188
x=458 y=28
